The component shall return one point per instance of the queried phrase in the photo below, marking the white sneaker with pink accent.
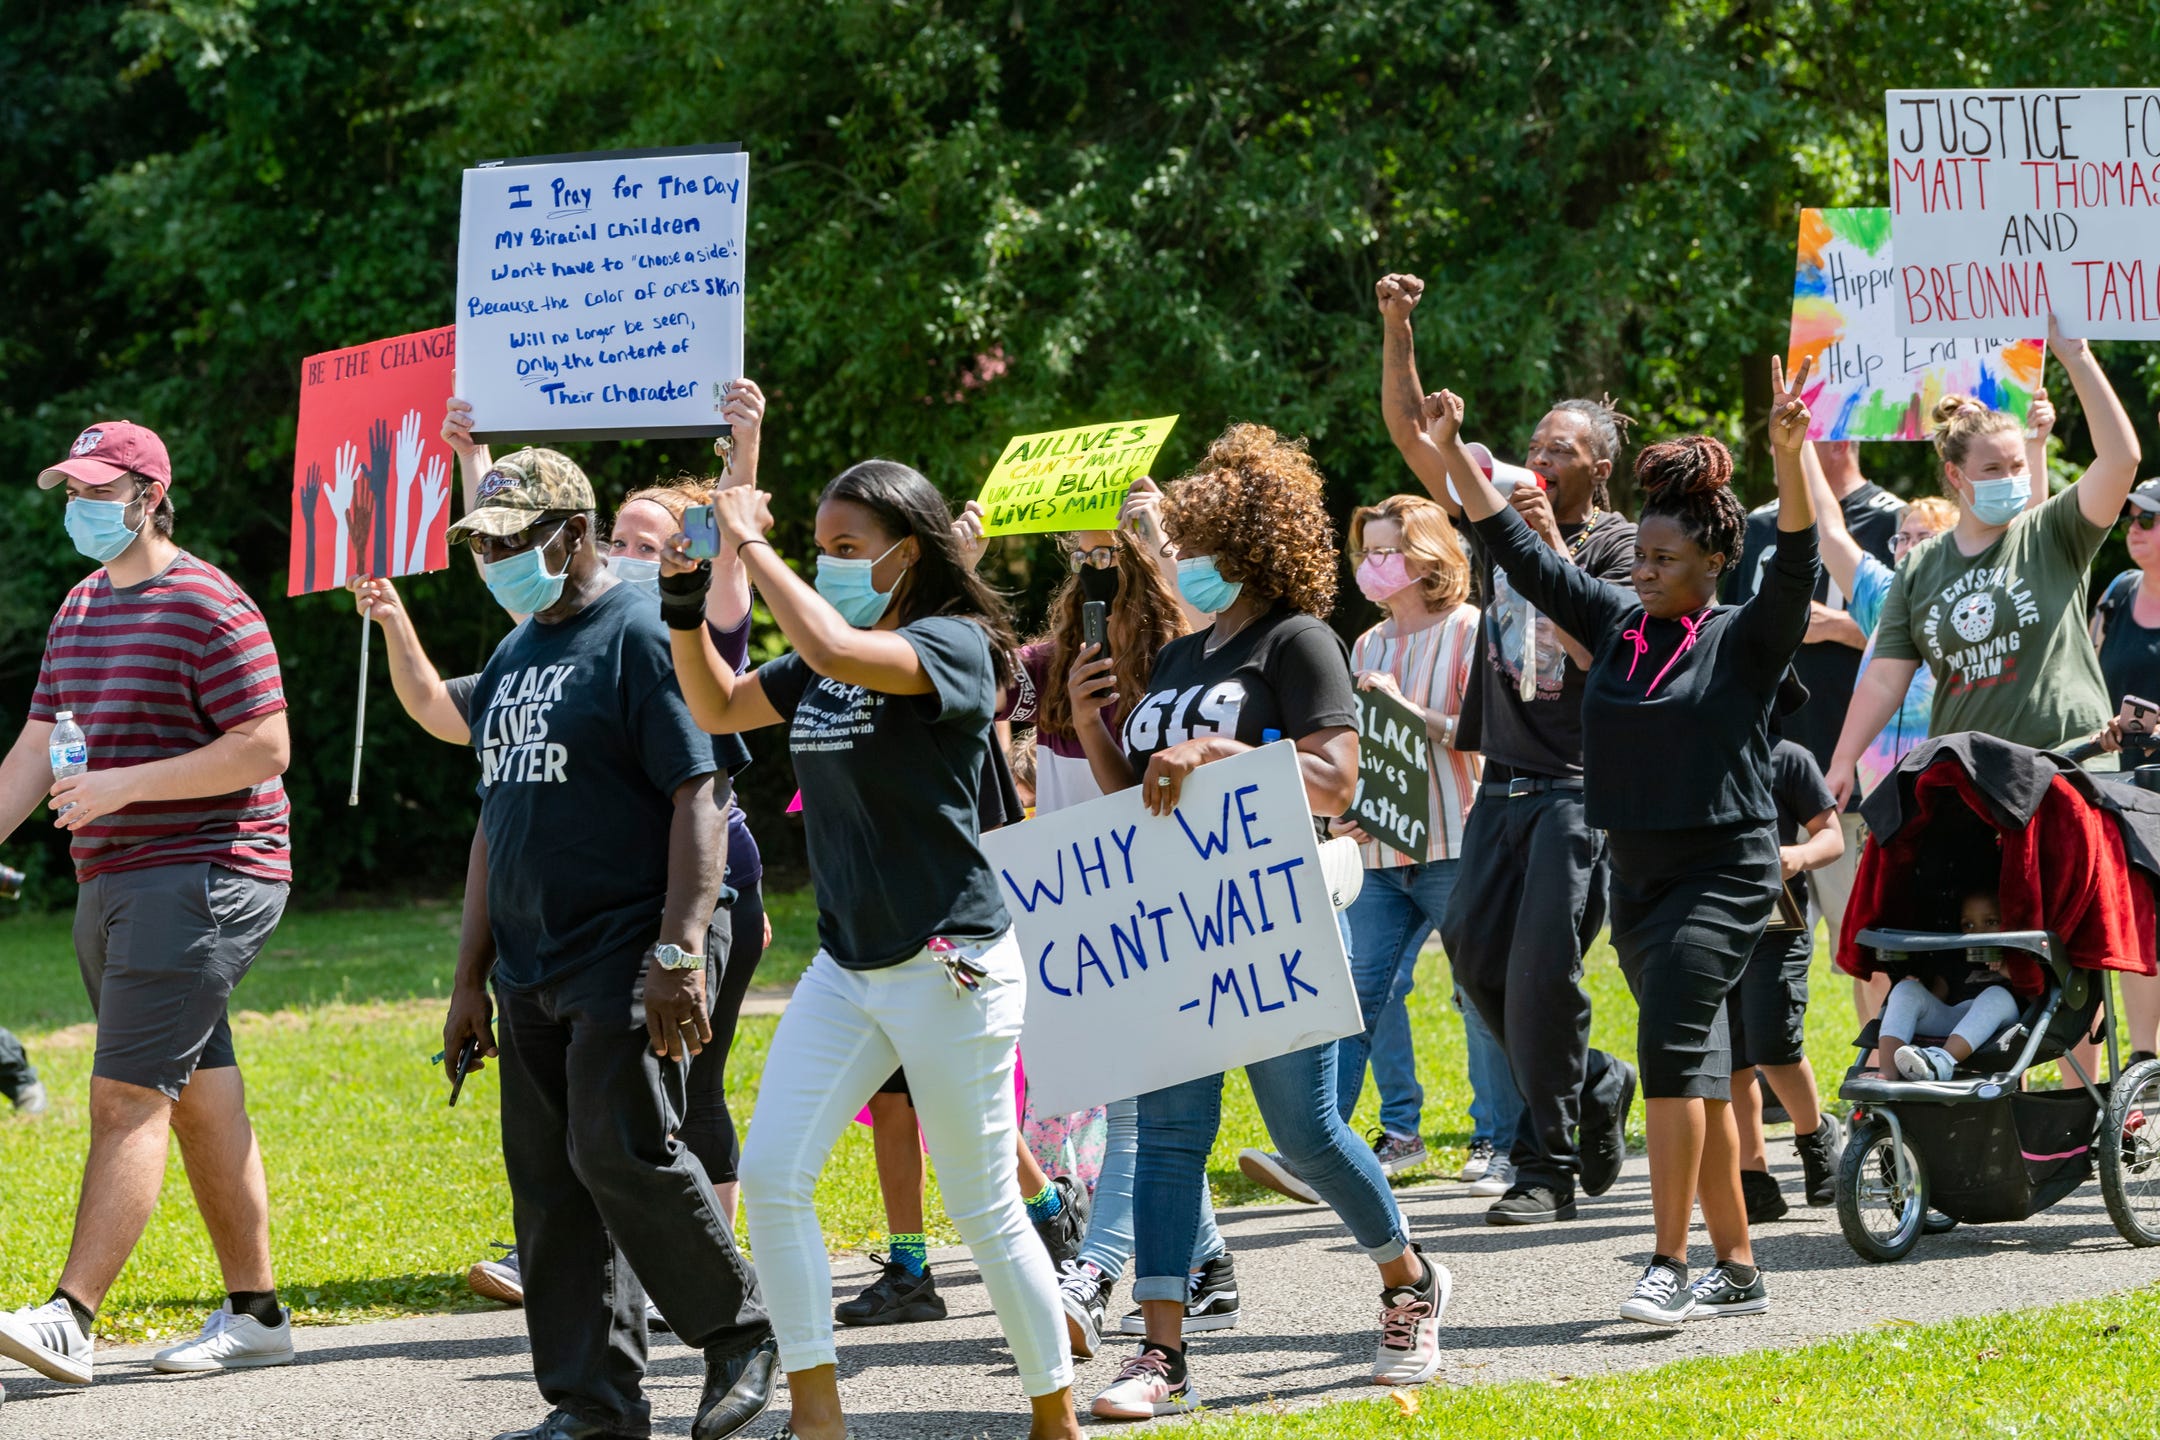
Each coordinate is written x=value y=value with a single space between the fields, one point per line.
x=1409 y=1349
x=1144 y=1389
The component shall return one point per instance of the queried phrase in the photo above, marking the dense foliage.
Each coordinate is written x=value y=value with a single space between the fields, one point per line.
x=970 y=218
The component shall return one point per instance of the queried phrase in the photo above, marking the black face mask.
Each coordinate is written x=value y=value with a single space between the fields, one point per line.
x=1099 y=584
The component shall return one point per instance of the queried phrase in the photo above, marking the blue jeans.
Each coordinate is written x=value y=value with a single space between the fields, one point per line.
x=1394 y=912
x=1296 y=1096
x=1109 y=1242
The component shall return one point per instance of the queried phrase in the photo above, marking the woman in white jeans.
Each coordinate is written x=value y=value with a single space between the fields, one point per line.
x=888 y=696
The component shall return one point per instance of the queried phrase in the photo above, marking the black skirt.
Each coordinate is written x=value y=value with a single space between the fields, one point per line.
x=1687 y=909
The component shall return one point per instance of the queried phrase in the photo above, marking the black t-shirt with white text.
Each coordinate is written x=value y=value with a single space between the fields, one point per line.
x=1284 y=672
x=583 y=739
x=890 y=789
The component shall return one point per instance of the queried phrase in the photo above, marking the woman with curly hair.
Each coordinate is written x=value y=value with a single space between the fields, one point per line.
x=1256 y=552
x=1694 y=853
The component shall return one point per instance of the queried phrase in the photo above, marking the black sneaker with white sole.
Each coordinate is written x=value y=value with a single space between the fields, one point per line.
x=1717 y=1292
x=896 y=1297
x=1063 y=1232
x=1661 y=1297
x=1820 y=1152
x=1211 y=1301
x=1085 y=1293
x=1531 y=1203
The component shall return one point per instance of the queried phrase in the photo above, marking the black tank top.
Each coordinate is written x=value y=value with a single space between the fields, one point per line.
x=2129 y=652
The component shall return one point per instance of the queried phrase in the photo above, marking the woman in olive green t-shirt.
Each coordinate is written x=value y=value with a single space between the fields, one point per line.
x=1996 y=607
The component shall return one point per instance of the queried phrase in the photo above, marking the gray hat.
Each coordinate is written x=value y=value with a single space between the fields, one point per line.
x=2147 y=497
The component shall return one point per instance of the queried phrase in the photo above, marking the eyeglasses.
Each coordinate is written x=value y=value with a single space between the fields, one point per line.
x=1904 y=540
x=1374 y=552
x=1102 y=557
x=521 y=540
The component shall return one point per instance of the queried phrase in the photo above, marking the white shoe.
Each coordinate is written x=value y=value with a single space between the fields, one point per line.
x=1143 y=1390
x=1477 y=1162
x=1924 y=1062
x=47 y=1339
x=1265 y=1167
x=1498 y=1179
x=230 y=1342
x=1409 y=1349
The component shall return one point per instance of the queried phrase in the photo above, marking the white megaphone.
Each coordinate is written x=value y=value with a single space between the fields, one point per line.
x=1504 y=477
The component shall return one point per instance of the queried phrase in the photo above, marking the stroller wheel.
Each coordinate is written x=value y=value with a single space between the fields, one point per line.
x=1882 y=1219
x=2129 y=1147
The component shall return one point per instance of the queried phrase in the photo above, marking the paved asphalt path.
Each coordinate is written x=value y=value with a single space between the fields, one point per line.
x=1529 y=1304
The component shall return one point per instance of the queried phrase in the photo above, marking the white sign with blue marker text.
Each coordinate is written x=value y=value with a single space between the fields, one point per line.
x=603 y=294
x=1163 y=949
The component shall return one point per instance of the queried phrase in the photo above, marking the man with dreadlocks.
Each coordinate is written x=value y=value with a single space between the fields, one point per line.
x=1531 y=896
x=1695 y=864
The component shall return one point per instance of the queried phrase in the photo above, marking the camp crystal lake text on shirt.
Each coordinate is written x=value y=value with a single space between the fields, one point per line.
x=1973 y=654
x=514 y=744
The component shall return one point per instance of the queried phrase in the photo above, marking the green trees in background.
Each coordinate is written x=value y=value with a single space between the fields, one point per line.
x=968 y=219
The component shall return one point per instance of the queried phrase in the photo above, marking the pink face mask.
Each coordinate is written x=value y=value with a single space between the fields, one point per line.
x=1382 y=576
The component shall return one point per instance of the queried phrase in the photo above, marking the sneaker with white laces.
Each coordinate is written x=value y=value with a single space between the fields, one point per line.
x=47 y=1339
x=1409 y=1349
x=1498 y=1179
x=498 y=1278
x=1265 y=1167
x=1085 y=1294
x=230 y=1342
x=1477 y=1163
x=1398 y=1153
x=1717 y=1293
x=1661 y=1297
x=1924 y=1062
x=1144 y=1389
x=1211 y=1300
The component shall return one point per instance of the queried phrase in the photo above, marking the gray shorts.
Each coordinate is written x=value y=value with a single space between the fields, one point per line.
x=161 y=951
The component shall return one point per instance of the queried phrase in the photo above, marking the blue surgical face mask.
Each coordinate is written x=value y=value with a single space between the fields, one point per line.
x=1203 y=586
x=847 y=586
x=99 y=528
x=645 y=574
x=522 y=584
x=1997 y=502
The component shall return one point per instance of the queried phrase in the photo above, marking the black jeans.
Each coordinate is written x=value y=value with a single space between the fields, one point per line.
x=17 y=1074
x=1528 y=902
x=589 y=1116
x=708 y=1128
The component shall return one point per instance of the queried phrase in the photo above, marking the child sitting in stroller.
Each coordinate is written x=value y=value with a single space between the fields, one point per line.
x=1919 y=1006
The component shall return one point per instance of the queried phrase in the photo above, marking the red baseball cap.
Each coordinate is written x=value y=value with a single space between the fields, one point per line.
x=108 y=450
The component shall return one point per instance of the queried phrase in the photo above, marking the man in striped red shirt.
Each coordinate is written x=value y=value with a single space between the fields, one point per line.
x=179 y=834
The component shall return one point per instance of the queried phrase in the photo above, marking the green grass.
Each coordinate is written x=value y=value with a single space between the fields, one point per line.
x=2088 y=1369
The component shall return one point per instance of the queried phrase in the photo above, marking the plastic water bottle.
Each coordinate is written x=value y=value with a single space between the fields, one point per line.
x=68 y=750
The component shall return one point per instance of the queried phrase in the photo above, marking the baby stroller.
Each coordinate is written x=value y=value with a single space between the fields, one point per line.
x=2073 y=861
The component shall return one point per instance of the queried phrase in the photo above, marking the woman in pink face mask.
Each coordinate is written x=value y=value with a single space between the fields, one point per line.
x=1408 y=560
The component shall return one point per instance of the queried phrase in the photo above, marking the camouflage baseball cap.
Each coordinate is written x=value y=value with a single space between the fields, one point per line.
x=521 y=487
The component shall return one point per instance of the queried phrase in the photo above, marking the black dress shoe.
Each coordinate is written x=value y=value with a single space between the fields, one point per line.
x=737 y=1390
x=562 y=1425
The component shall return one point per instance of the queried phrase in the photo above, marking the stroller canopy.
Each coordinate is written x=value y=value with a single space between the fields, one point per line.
x=2061 y=851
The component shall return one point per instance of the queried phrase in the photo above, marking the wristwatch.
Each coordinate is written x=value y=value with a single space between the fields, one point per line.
x=674 y=957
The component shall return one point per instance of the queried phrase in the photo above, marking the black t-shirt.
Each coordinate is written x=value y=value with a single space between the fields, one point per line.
x=1284 y=672
x=1675 y=714
x=583 y=739
x=1542 y=735
x=890 y=785
x=1828 y=669
x=1798 y=793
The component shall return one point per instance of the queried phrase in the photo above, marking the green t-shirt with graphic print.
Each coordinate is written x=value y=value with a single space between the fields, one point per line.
x=2003 y=631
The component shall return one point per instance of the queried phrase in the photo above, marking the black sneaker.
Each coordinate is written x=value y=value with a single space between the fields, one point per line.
x=1661 y=1297
x=894 y=1298
x=1062 y=1233
x=1211 y=1301
x=1717 y=1293
x=1764 y=1198
x=1530 y=1203
x=1603 y=1134
x=1085 y=1294
x=1819 y=1156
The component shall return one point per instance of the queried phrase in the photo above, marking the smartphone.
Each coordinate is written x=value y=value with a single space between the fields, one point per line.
x=1095 y=627
x=702 y=530
x=467 y=1053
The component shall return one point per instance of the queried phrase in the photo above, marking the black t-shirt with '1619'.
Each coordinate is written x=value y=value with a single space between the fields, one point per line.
x=890 y=788
x=1285 y=672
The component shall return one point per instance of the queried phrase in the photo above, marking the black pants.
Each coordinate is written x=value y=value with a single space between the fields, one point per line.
x=17 y=1074
x=588 y=1121
x=708 y=1128
x=1688 y=907
x=1529 y=900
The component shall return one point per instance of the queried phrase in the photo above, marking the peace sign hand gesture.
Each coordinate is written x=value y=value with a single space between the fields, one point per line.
x=1789 y=417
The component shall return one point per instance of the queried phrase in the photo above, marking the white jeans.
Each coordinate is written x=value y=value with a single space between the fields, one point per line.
x=842 y=1035
x=1912 y=1009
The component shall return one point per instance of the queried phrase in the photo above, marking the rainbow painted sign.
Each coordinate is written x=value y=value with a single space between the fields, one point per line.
x=1872 y=383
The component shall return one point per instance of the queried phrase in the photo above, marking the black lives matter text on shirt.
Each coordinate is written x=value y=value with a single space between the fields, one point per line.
x=1394 y=795
x=583 y=739
x=1284 y=672
x=890 y=790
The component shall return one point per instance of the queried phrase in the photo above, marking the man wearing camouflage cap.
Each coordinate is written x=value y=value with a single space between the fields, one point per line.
x=588 y=899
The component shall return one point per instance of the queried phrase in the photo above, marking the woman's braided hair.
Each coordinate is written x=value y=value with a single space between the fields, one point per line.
x=1690 y=480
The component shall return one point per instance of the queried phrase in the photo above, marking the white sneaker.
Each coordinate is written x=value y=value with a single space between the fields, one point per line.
x=1265 y=1167
x=1498 y=1179
x=1477 y=1162
x=1924 y=1062
x=230 y=1342
x=47 y=1339
x=1409 y=1349
x=1143 y=1390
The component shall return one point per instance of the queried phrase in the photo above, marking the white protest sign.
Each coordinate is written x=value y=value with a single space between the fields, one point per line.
x=1163 y=949
x=2007 y=205
x=602 y=294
